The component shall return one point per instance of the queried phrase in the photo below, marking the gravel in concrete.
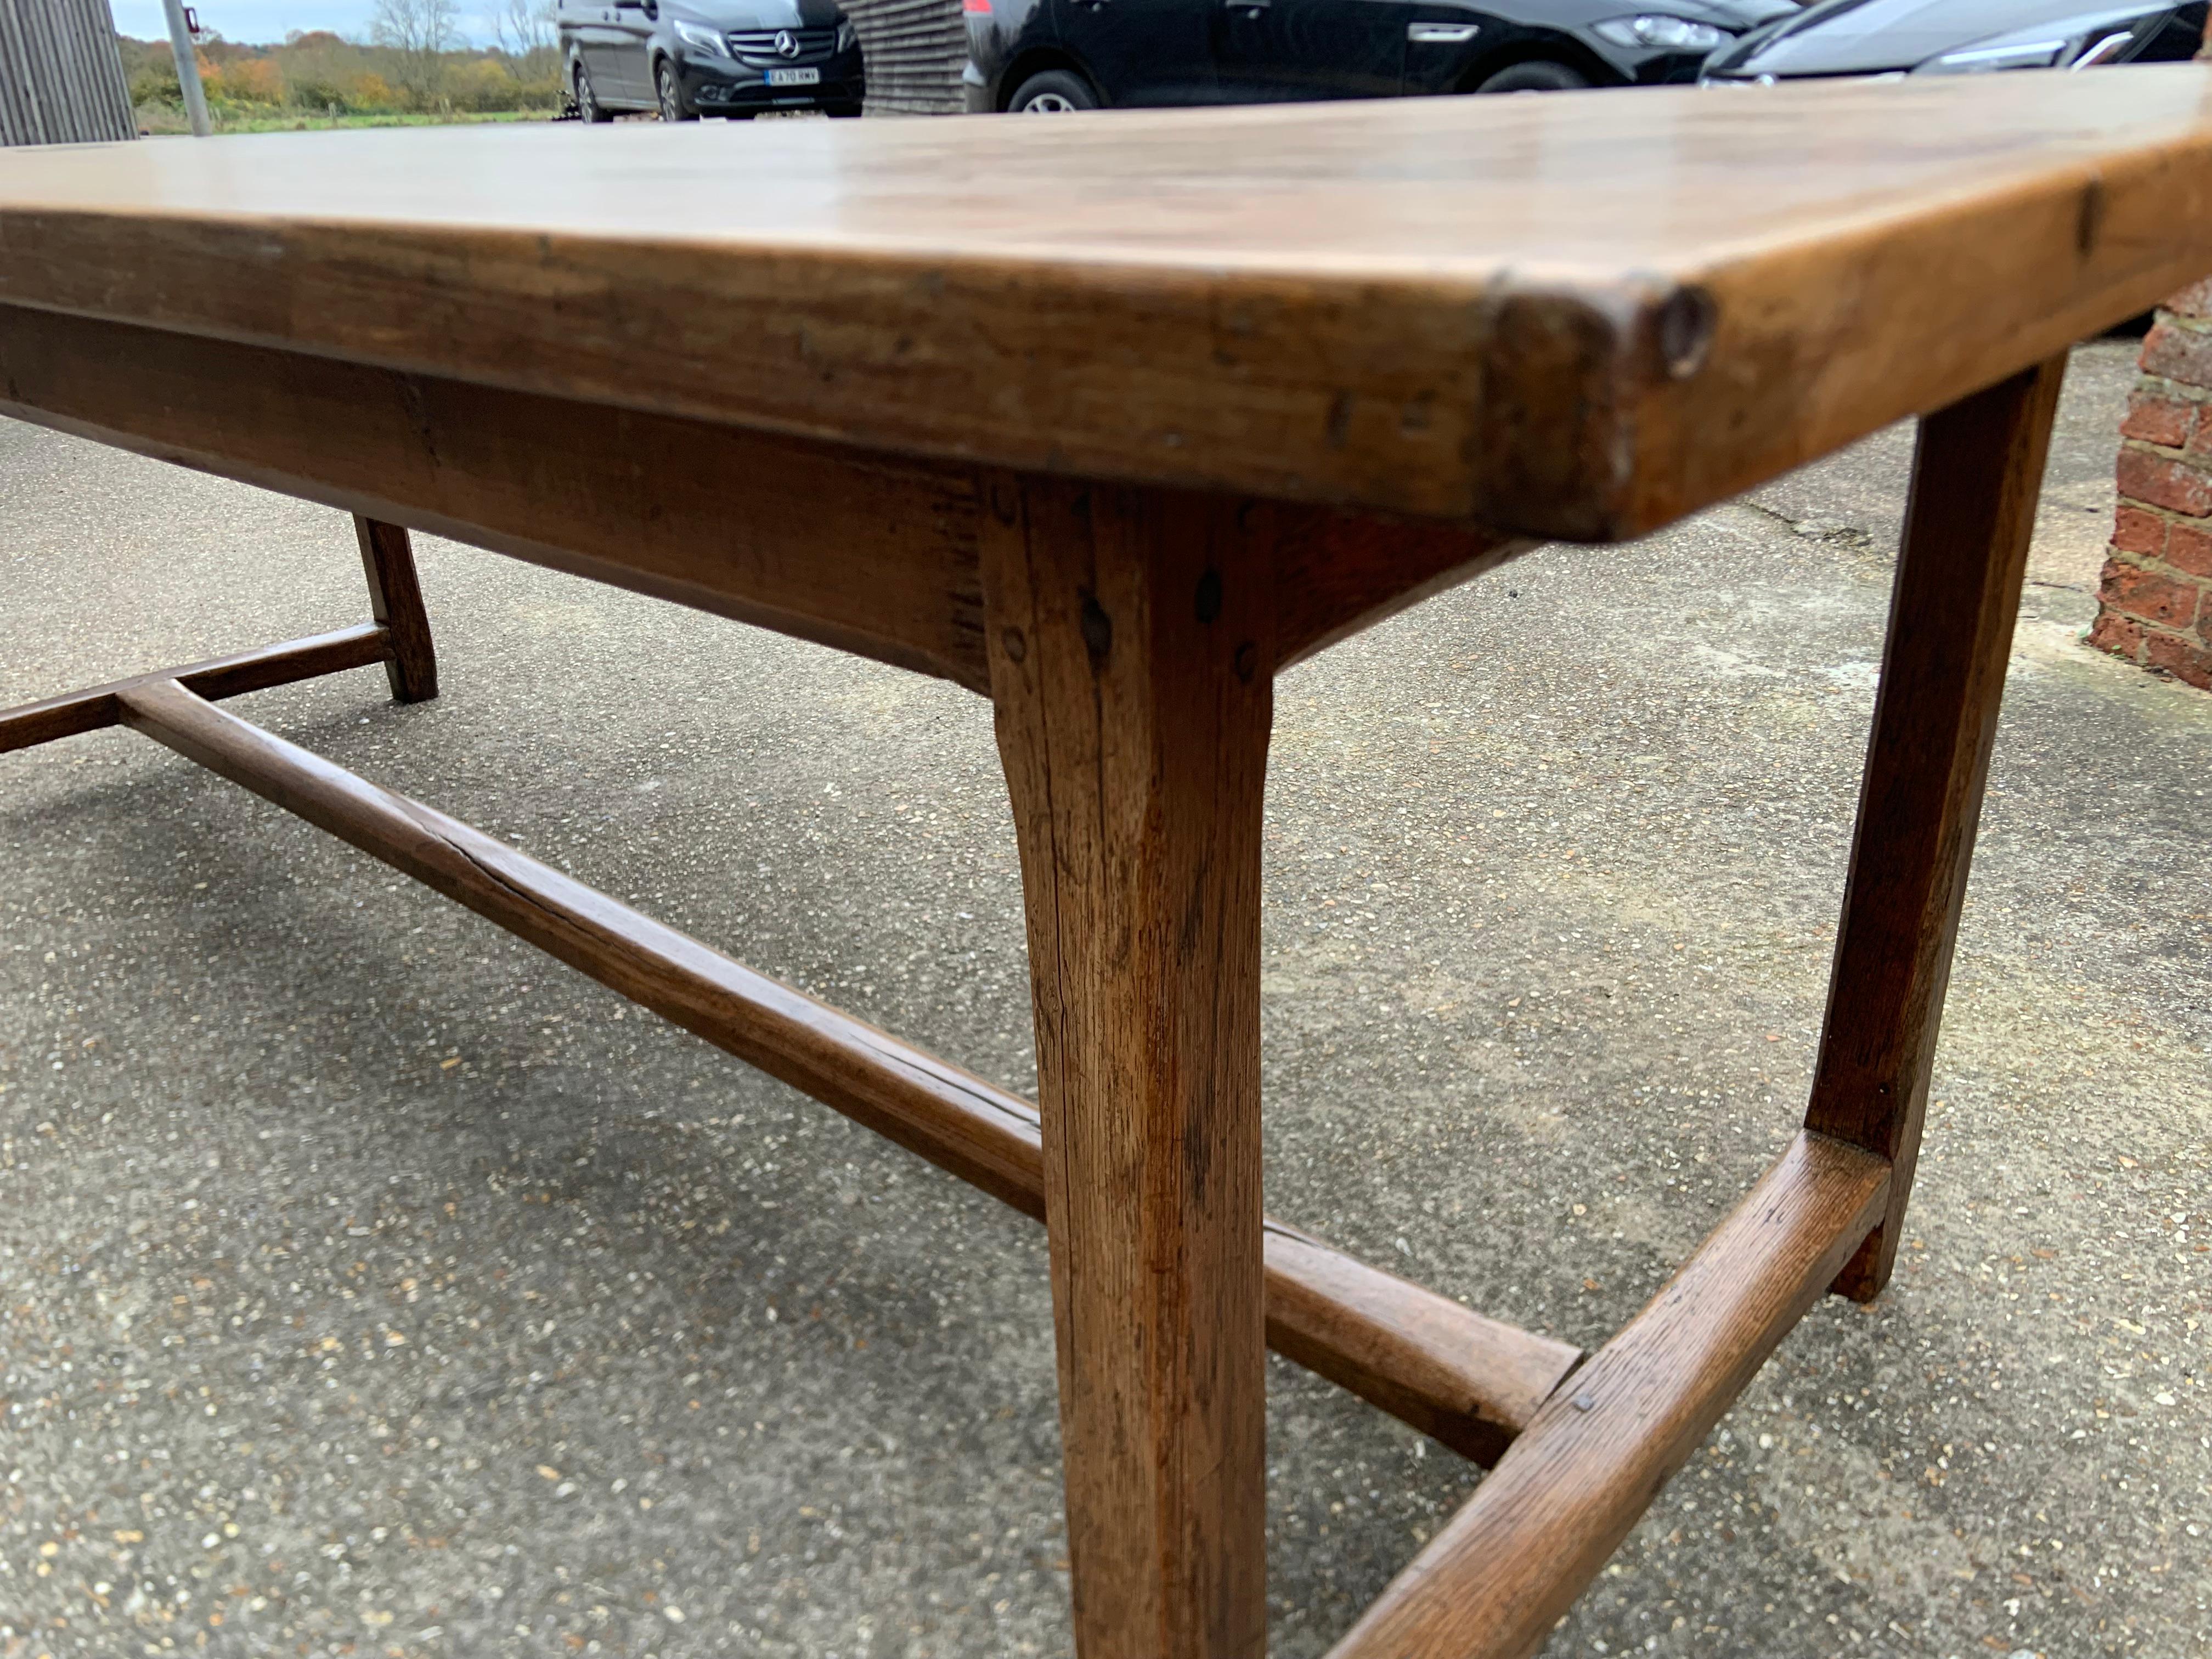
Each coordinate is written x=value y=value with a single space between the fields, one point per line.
x=371 y=1285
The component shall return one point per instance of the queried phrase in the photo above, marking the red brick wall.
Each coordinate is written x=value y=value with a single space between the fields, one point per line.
x=2155 y=600
x=2155 y=603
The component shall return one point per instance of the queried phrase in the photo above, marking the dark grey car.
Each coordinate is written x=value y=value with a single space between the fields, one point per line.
x=1042 y=56
x=1961 y=37
x=684 y=58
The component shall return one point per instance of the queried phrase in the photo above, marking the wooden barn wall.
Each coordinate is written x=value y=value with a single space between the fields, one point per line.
x=914 y=50
x=61 y=79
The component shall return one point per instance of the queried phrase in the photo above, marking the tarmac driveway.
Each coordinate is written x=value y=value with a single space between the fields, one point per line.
x=370 y=1284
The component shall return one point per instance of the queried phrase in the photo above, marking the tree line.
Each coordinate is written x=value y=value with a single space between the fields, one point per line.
x=415 y=60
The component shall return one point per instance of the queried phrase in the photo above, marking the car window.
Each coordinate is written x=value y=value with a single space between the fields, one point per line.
x=2177 y=40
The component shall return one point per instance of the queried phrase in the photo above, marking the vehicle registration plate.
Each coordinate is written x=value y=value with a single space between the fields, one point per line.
x=794 y=78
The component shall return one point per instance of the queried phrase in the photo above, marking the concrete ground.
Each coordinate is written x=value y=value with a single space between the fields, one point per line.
x=371 y=1285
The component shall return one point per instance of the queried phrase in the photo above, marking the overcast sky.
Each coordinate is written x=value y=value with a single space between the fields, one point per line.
x=261 y=20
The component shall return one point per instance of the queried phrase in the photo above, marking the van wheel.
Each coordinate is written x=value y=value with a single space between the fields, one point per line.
x=1055 y=92
x=1537 y=77
x=587 y=105
x=672 y=106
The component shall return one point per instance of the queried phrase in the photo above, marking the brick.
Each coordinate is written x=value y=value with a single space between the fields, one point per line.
x=2121 y=636
x=2157 y=419
x=2160 y=481
x=2145 y=593
x=2195 y=301
x=2134 y=530
x=2178 y=353
x=2179 y=658
x=2188 y=548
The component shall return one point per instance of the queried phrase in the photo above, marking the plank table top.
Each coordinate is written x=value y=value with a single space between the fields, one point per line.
x=1582 y=315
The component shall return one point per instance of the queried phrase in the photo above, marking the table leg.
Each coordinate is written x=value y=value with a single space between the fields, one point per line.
x=1976 y=475
x=1130 y=661
x=395 y=598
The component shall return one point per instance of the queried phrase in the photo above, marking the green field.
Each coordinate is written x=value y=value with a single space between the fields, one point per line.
x=168 y=119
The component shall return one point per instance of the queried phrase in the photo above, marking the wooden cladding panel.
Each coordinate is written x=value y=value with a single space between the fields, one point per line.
x=61 y=77
x=914 y=52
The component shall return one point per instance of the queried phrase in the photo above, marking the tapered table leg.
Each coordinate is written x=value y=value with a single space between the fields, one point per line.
x=1976 y=474
x=395 y=598
x=1130 y=663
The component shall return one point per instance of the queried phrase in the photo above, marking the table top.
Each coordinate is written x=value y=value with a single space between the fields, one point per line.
x=1577 y=314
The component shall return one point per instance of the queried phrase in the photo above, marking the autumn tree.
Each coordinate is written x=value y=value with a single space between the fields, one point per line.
x=420 y=33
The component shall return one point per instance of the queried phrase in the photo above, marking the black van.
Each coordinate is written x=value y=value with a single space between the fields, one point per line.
x=691 y=58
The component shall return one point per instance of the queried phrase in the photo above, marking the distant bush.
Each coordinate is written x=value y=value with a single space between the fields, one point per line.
x=485 y=84
x=544 y=91
x=370 y=92
x=254 y=81
x=323 y=74
x=156 y=83
x=313 y=92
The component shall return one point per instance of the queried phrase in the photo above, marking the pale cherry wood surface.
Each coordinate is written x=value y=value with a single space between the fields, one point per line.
x=1582 y=315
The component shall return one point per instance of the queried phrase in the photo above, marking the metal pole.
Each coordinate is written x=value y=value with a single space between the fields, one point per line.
x=188 y=67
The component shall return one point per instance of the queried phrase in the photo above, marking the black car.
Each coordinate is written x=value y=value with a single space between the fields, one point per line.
x=1960 y=37
x=1044 y=57
x=691 y=58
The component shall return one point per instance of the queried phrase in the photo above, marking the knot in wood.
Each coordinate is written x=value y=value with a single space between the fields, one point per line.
x=1097 y=627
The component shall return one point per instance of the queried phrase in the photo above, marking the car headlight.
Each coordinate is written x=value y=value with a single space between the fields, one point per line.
x=1658 y=29
x=1980 y=60
x=700 y=38
x=846 y=37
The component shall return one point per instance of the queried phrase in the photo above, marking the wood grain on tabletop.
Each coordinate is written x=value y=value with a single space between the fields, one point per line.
x=1583 y=314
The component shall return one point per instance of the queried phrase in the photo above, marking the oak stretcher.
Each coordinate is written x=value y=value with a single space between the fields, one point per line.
x=1110 y=420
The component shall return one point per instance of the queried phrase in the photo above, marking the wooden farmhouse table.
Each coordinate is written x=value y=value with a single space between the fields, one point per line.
x=1110 y=419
